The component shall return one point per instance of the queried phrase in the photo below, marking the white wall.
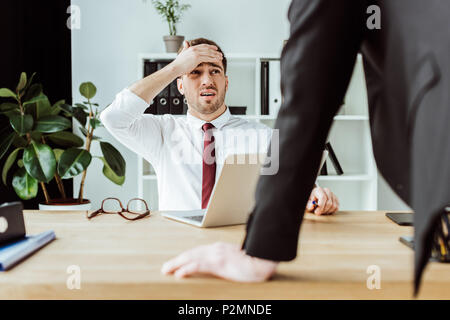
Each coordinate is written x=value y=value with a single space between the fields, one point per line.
x=113 y=32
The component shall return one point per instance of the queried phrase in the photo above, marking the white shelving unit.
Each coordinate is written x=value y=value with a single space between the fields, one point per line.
x=349 y=135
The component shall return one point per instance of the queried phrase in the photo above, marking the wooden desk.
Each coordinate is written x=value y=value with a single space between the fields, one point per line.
x=122 y=260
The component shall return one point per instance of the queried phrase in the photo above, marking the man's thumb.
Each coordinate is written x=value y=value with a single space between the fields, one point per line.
x=185 y=44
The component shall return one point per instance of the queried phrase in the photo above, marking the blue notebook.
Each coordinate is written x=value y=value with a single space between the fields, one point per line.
x=13 y=253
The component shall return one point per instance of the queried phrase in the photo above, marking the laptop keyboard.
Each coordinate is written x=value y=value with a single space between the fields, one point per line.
x=196 y=218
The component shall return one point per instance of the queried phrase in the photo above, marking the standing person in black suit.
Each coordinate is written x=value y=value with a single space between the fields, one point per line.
x=406 y=62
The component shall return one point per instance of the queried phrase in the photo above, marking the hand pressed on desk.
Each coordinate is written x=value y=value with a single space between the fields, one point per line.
x=224 y=260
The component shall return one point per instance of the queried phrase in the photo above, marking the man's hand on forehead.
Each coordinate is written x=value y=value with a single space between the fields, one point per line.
x=192 y=56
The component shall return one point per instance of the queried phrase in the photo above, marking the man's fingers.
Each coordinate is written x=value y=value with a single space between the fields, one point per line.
x=172 y=265
x=329 y=204
x=187 y=270
x=321 y=199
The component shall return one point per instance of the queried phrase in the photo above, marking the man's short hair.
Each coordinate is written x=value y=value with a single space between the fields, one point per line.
x=196 y=42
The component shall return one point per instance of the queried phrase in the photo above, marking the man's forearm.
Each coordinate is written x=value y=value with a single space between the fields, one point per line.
x=149 y=87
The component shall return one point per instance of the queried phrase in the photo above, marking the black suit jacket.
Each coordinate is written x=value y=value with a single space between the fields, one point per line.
x=407 y=73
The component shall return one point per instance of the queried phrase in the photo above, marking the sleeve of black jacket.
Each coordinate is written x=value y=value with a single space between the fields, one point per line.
x=316 y=66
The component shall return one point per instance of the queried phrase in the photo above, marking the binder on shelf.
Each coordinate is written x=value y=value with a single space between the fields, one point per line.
x=162 y=99
x=264 y=87
x=334 y=159
x=149 y=68
x=176 y=99
x=274 y=88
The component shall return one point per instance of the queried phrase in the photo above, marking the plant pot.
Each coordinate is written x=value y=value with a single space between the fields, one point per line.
x=173 y=43
x=68 y=204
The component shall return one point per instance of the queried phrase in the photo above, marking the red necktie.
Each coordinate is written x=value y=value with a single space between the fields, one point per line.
x=209 y=164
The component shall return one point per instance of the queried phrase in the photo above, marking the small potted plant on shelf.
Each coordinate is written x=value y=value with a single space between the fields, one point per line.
x=171 y=11
x=37 y=143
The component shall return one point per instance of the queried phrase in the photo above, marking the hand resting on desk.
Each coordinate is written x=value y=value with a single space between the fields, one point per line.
x=223 y=260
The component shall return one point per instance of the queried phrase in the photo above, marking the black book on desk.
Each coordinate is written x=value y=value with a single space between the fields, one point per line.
x=15 y=245
x=333 y=158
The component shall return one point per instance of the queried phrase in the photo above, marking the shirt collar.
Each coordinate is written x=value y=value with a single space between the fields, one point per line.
x=218 y=122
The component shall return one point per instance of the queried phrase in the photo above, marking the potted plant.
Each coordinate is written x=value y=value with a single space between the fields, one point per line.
x=37 y=144
x=171 y=11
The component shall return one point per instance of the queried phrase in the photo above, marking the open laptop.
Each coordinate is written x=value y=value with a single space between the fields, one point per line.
x=233 y=196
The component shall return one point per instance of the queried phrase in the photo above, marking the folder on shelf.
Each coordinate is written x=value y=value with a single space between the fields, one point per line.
x=176 y=99
x=149 y=68
x=163 y=98
x=264 y=87
x=274 y=88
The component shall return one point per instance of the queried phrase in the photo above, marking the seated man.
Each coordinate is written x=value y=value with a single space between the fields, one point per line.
x=187 y=153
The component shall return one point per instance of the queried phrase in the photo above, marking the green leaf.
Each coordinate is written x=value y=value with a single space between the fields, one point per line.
x=110 y=174
x=36 y=136
x=95 y=123
x=5 y=143
x=30 y=81
x=80 y=115
x=113 y=158
x=50 y=124
x=39 y=109
x=22 y=81
x=56 y=108
x=21 y=123
x=84 y=132
x=73 y=162
x=20 y=163
x=33 y=91
x=67 y=108
x=88 y=90
x=25 y=186
x=58 y=153
x=19 y=142
x=8 y=164
x=6 y=93
x=40 y=97
x=12 y=113
x=39 y=161
x=4 y=107
x=66 y=139
x=82 y=106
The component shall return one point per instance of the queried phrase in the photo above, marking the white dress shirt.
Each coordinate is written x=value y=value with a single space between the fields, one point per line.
x=174 y=145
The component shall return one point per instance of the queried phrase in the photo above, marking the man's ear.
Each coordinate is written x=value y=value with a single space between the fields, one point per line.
x=180 y=85
x=226 y=83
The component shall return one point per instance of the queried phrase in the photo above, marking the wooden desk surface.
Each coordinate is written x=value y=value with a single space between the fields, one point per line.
x=122 y=260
